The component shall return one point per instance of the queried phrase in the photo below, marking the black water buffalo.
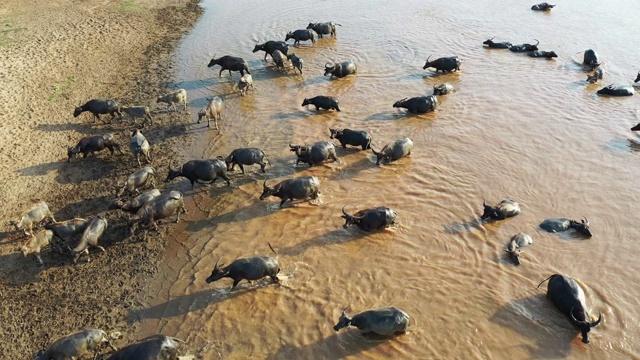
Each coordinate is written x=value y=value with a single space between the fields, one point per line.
x=99 y=106
x=158 y=208
x=517 y=241
x=230 y=63
x=442 y=89
x=134 y=204
x=524 y=47
x=636 y=128
x=326 y=28
x=448 y=64
x=301 y=35
x=591 y=59
x=314 y=154
x=250 y=268
x=542 y=54
x=542 y=7
x=597 y=75
x=568 y=297
x=391 y=152
x=617 y=90
x=90 y=144
x=296 y=62
x=270 y=46
x=296 y=188
x=562 y=224
x=155 y=347
x=322 y=102
x=76 y=345
x=505 y=209
x=205 y=171
x=340 y=70
x=351 y=137
x=377 y=218
x=245 y=156
x=384 y=321
x=495 y=45
x=637 y=77
x=418 y=104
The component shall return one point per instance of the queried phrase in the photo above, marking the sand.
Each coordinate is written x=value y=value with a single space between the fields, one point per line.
x=54 y=56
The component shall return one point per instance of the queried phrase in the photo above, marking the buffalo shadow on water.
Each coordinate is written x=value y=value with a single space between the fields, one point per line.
x=333 y=237
x=458 y=227
x=438 y=74
x=522 y=316
x=195 y=84
x=387 y=115
x=293 y=115
x=634 y=145
x=247 y=213
x=353 y=169
x=334 y=346
x=185 y=304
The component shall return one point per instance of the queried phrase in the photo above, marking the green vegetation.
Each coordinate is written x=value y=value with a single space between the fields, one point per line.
x=129 y=6
x=57 y=89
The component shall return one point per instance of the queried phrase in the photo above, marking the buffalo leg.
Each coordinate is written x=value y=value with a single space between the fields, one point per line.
x=283 y=201
x=241 y=168
x=274 y=278
x=220 y=74
x=235 y=283
x=262 y=166
x=224 y=176
x=101 y=248
x=230 y=72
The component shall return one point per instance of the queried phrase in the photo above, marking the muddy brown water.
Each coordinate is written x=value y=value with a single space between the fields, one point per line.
x=517 y=128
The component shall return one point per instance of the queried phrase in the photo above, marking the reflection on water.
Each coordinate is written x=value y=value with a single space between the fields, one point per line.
x=514 y=128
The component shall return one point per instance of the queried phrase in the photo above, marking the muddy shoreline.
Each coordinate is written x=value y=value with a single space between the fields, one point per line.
x=58 y=55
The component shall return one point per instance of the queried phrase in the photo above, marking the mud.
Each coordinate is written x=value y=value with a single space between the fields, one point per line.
x=55 y=56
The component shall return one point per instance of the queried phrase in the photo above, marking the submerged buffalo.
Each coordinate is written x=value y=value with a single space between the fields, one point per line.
x=497 y=45
x=231 y=63
x=418 y=105
x=296 y=188
x=542 y=7
x=637 y=77
x=384 y=321
x=245 y=156
x=326 y=28
x=270 y=46
x=617 y=90
x=515 y=243
x=563 y=224
x=597 y=75
x=314 y=154
x=391 y=152
x=377 y=218
x=352 y=137
x=250 y=268
x=524 y=47
x=591 y=59
x=448 y=64
x=340 y=70
x=442 y=89
x=568 y=297
x=322 y=102
x=542 y=54
x=505 y=209
x=205 y=171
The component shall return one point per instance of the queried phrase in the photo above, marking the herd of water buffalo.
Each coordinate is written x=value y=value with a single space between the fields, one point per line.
x=147 y=207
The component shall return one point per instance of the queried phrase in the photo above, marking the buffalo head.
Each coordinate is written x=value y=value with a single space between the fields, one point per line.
x=217 y=273
x=637 y=127
x=289 y=36
x=214 y=61
x=400 y=103
x=298 y=149
x=330 y=69
x=584 y=326
x=173 y=173
x=71 y=153
x=258 y=47
x=530 y=47
x=427 y=64
x=335 y=133
x=268 y=191
x=305 y=102
x=382 y=155
x=350 y=219
x=582 y=226
x=311 y=25
x=515 y=255
x=488 y=41
x=344 y=320
x=78 y=110
x=489 y=212
x=637 y=77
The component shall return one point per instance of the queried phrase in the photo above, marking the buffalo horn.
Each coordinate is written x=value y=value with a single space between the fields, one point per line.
x=586 y=220
x=537 y=42
x=291 y=146
x=595 y=323
x=326 y=67
x=484 y=202
x=264 y=185
x=215 y=267
x=344 y=312
x=574 y=321
x=214 y=56
x=344 y=212
x=428 y=59
x=374 y=152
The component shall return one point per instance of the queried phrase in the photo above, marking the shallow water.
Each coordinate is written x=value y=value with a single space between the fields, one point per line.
x=517 y=128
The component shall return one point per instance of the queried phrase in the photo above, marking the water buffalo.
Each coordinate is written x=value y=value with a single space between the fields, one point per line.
x=637 y=77
x=495 y=45
x=391 y=152
x=296 y=188
x=90 y=237
x=296 y=62
x=36 y=243
x=322 y=102
x=76 y=345
x=377 y=218
x=90 y=144
x=542 y=54
x=99 y=106
x=244 y=84
x=250 y=268
x=214 y=110
x=340 y=70
x=617 y=90
x=278 y=58
x=200 y=171
x=636 y=128
x=418 y=104
x=442 y=89
x=139 y=146
x=562 y=224
x=64 y=230
x=517 y=241
x=270 y=46
x=448 y=64
x=568 y=297
x=34 y=215
x=231 y=63
x=314 y=154
x=542 y=7
x=137 y=181
x=245 y=156
x=133 y=205
x=155 y=347
x=301 y=35
x=384 y=321
x=597 y=75
x=525 y=47
x=505 y=209
x=351 y=137
x=591 y=59
x=159 y=208
x=326 y=28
